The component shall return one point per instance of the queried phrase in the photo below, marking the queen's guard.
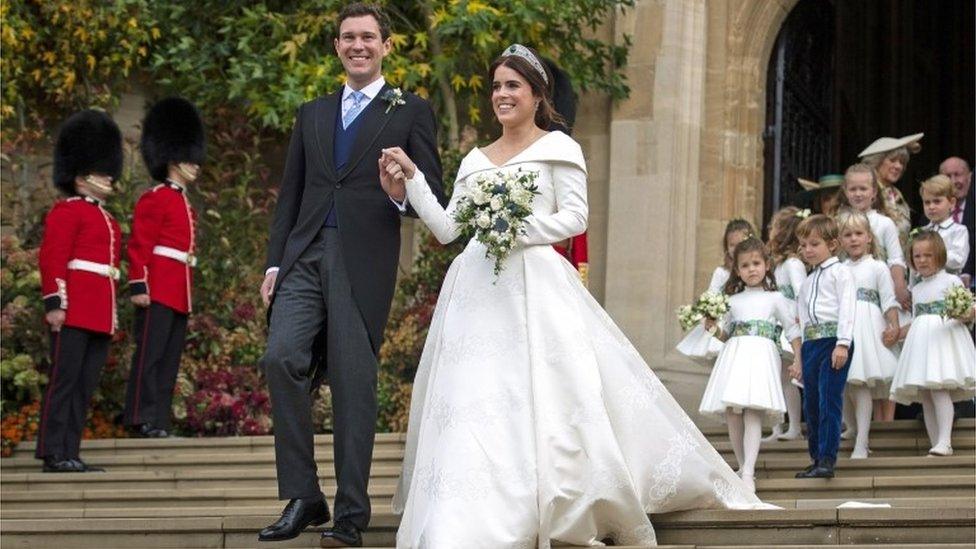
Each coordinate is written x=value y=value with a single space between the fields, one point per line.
x=161 y=262
x=79 y=263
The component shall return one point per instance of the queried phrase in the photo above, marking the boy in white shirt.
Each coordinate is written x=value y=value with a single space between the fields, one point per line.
x=826 y=310
x=938 y=200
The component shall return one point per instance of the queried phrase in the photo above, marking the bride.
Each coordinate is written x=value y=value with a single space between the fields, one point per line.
x=534 y=421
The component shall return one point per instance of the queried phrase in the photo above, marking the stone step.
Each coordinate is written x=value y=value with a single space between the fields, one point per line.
x=718 y=433
x=381 y=493
x=815 y=527
x=962 y=444
x=265 y=476
x=273 y=508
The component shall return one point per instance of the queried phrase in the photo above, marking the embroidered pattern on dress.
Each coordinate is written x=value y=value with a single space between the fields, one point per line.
x=667 y=473
x=483 y=410
x=931 y=308
x=729 y=495
x=869 y=295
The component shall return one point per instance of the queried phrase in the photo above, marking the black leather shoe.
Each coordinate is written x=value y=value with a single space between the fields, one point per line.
x=824 y=468
x=57 y=464
x=343 y=534
x=148 y=430
x=806 y=471
x=298 y=514
x=87 y=468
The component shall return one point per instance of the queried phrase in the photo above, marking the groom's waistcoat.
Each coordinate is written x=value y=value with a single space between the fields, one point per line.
x=342 y=144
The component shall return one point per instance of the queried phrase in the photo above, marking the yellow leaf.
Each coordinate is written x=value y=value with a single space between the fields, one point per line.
x=69 y=79
x=90 y=61
x=422 y=92
x=143 y=51
x=474 y=113
x=423 y=69
x=49 y=57
x=399 y=73
x=457 y=82
x=475 y=82
x=154 y=32
x=133 y=23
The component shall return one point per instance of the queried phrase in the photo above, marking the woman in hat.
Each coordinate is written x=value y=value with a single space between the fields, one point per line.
x=822 y=196
x=79 y=263
x=889 y=158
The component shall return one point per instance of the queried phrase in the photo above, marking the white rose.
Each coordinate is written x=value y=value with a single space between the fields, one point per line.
x=497 y=203
x=484 y=221
x=480 y=197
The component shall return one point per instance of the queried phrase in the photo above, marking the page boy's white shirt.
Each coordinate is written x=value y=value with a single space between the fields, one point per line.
x=828 y=295
x=956 y=238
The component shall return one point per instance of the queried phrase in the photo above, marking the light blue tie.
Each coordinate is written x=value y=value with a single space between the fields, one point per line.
x=358 y=99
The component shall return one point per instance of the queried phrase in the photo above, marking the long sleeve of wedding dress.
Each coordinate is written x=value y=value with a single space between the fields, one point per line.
x=439 y=220
x=569 y=220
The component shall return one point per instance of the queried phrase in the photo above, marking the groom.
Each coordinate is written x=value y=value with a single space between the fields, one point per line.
x=331 y=271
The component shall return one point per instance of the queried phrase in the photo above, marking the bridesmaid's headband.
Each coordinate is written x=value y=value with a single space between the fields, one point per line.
x=519 y=50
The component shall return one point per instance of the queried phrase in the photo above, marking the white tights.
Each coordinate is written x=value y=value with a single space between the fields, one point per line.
x=860 y=395
x=745 y=433
x=938 y=413
x=794 y=403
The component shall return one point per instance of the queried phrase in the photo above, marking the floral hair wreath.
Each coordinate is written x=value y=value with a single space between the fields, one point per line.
x=916 y=232
x=803 y=214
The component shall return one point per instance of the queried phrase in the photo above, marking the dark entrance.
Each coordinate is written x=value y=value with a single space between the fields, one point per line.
x=845 y=72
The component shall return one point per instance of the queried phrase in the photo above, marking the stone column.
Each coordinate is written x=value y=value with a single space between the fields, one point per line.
x=655 y=139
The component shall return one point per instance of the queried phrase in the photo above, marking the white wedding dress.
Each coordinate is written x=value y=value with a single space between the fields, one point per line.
x=534 y=421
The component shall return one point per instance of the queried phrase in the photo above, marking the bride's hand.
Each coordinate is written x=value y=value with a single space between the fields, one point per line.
x=392 y=185
x=396 y=154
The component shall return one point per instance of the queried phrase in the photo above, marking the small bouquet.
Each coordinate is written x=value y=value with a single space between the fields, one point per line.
x=958 y=302
x=688 y=317
x=494 y=210
x=712 y=305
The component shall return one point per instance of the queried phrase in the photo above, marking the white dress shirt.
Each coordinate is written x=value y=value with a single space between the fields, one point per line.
x=886 y=234
x=956 y=237
x=828 y=295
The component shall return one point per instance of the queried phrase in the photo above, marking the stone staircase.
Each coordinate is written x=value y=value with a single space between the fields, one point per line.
x=196 y=493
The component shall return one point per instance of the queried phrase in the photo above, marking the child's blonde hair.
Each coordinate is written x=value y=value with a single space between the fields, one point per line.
x=784 y=243
x=879 y=203
x=939 y=185
x=941 y=255
x=849 y=218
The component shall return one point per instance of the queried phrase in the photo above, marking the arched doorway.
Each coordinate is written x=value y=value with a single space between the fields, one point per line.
x=843 y=73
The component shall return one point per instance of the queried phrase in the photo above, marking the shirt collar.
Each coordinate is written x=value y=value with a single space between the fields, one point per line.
x=828 y=262
x=946 y=223
x=370 y=90
x=175 y=186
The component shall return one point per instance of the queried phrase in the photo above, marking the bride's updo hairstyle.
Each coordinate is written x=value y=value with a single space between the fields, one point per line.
x=545 y=115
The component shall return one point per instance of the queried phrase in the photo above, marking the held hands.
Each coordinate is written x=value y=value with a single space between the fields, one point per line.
x=796 y=369
x=890 y=336
x=709 y=324
x=903 y=296
x=140 y=300
x=267 y=287
x=55 y=319
x=839 y=357
x=395 y=169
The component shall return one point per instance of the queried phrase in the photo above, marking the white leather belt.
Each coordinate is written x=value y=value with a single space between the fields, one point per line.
x=179 y=255
x=92 y=267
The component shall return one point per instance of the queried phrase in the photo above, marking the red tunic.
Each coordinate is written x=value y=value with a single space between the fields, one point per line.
x=80 y=229
x=163 y=222
x=577 y=255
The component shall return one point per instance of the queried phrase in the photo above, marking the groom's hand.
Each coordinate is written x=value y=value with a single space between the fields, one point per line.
x=392 y=179
x=396 y=154
x=268 y=286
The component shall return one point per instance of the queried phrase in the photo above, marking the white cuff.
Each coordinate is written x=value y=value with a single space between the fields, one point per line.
x=270 y=270
x=402 y=206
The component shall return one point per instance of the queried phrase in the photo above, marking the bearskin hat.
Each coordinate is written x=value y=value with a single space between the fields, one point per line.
x=563 y=97
x=172 y=132
x=89 y=142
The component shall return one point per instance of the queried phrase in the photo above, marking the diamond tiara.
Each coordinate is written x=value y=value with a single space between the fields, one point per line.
x=521 y=51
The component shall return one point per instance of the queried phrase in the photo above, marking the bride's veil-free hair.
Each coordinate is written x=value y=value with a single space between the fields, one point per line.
x=546 y=115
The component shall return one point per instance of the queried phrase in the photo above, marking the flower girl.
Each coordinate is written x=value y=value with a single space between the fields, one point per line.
x=936 y=363
x=745 y=383
x=789 y=273
x=699 y=343
x=875 y=325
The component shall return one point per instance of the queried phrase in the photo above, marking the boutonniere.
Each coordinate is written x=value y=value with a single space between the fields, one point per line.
x=393 y=97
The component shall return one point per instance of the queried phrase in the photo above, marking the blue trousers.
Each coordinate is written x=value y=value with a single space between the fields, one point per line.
x=823 y=396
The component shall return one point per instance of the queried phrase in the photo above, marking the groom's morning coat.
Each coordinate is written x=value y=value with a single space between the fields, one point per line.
x=369 y=223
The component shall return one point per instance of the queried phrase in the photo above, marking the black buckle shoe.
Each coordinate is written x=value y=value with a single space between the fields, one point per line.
x=148 y=430
x=57 y=464
x=297 y=515
x=343 y=534
x=806 y=471
x=88 y=468
x=824 y=468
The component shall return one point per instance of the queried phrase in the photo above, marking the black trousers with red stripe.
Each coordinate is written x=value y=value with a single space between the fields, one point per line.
x=77 y=358
x=160 y=334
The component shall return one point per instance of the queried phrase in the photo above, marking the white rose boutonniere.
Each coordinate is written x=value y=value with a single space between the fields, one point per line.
x=393 y=98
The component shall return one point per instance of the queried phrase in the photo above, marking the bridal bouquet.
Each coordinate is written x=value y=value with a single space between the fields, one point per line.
x=958 y=302
x=494 y=210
